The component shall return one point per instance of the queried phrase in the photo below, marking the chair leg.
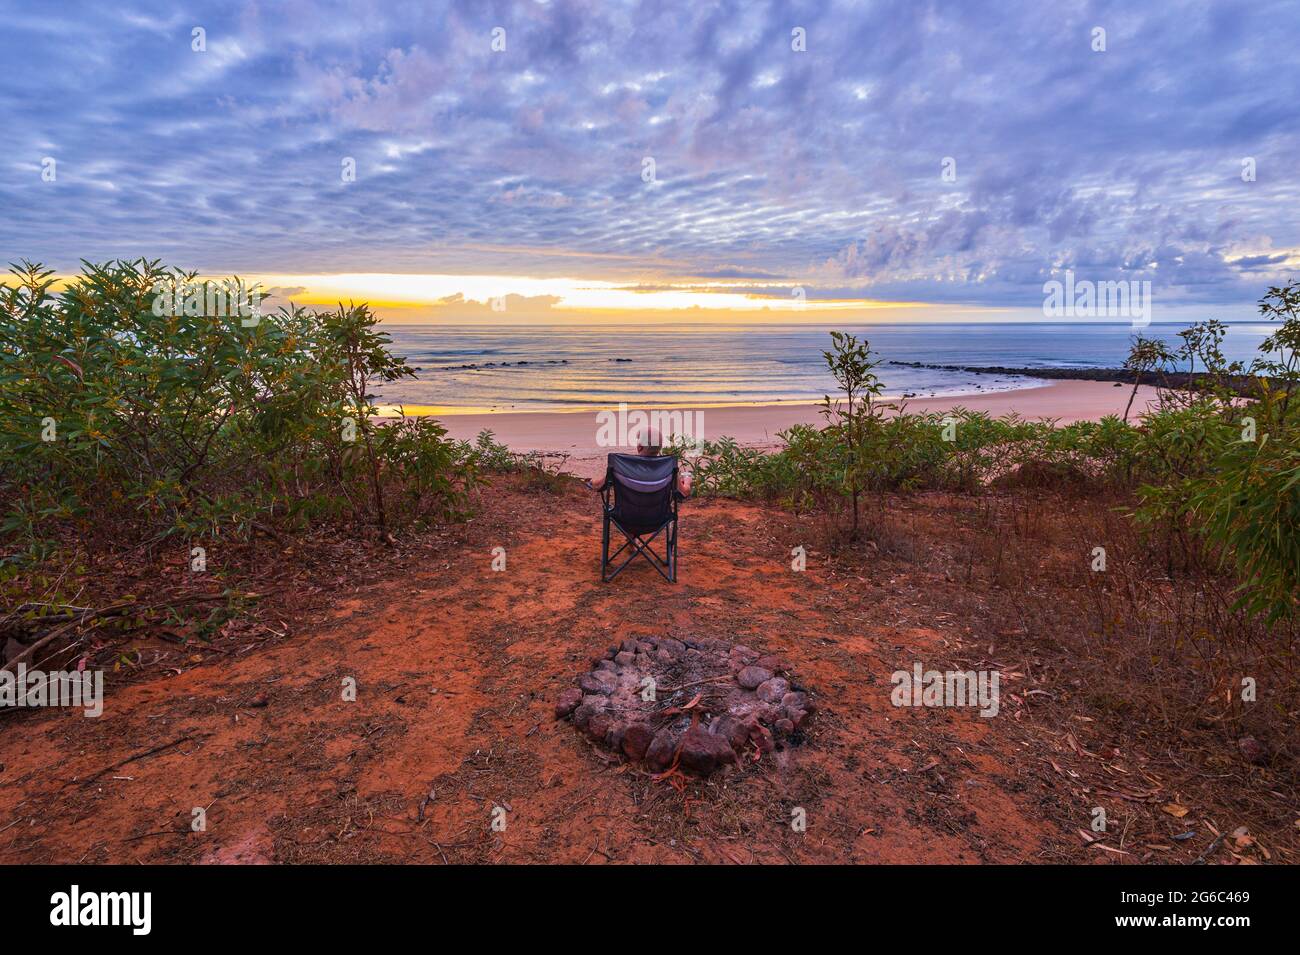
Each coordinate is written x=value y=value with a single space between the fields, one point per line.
x=672 y=552
x=604 y=552
x=640 y=546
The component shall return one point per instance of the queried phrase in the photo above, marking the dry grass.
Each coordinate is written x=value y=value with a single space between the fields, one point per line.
x=1138 y=673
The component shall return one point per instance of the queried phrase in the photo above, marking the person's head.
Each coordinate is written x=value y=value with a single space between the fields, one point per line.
x=648 y=446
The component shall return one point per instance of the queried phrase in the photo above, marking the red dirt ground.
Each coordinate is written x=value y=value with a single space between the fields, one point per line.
x=458 y=667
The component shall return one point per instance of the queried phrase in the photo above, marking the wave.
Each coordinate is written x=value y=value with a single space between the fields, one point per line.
x=580 y=367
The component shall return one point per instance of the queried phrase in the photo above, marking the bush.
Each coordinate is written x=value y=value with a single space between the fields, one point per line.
x=162 y=424
x=1215 y=478
x=1246 y=501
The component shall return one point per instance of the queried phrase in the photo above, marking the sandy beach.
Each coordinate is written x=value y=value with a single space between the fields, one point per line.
x=574 y=432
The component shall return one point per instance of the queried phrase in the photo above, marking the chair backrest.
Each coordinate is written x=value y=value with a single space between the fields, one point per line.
x=643 y=487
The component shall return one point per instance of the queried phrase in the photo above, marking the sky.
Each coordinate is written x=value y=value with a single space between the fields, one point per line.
x=573 y=161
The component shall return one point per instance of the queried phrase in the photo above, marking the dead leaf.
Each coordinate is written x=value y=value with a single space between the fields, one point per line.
x=1074 y=745
x=1118 y=852
x=1175 y=810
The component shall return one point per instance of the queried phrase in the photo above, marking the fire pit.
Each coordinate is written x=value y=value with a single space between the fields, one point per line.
x=698 y=704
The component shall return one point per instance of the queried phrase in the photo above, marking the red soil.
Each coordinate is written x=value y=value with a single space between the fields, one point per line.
x=458 y=668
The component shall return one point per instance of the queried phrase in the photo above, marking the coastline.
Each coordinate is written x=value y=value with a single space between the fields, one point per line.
x=573 y=432
x=412 y=410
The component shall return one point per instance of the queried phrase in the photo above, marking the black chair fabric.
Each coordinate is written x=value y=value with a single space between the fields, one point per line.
x=643 y=490
x=640 y=499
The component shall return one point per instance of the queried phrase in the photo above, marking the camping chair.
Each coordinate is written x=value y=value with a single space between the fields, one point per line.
x=640 y=498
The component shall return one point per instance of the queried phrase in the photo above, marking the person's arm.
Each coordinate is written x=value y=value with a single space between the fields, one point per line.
x=597 y=483
x=684 y=483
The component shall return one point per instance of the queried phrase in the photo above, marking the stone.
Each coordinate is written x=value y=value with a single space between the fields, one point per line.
x=761 y=737
x=757 y=713
x=734 y=729
x=599 y=725
x=771 y=691
x=567 y=703
x=583 y=714
x=703 y=752
x=614 y=737
x=636 y=739
x=599 y=681
x=795 y=715
x=659 y=754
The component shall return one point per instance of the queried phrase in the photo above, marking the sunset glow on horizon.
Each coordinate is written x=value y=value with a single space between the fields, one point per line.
x=507 y=298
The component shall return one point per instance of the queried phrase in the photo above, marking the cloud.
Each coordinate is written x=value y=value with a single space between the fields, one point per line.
x=502 y=309
x=820 y=168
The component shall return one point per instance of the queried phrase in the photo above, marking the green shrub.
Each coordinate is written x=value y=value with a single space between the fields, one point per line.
x=1202 y=486
x=162 y=424
x=1246 y=501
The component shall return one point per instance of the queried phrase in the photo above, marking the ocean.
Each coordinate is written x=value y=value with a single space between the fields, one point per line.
x=550 y=368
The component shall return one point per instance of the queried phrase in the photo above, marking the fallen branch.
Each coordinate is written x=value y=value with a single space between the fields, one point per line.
x=31 y=651
x=92 y=618
x=131 y=759
x=711 y=679
x=81 y=620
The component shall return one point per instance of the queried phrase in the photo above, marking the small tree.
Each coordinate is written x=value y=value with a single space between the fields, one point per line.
x=1248 y=501
x=1145 y=356
x=852 y=418
x=363 y=353
x=1281 y=302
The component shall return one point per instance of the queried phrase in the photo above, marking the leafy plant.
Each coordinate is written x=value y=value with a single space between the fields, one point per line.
x=115 y=412
x=853 y=420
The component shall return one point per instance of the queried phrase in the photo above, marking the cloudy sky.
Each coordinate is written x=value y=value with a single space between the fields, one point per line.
x=572 y=160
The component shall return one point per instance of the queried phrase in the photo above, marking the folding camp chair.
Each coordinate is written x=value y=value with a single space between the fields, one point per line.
x=640 y=498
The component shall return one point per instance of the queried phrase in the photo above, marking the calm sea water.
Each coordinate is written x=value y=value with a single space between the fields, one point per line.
x=562 y=367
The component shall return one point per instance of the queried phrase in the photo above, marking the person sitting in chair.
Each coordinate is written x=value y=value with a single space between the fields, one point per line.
x=640 y=494
x=650 y=449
